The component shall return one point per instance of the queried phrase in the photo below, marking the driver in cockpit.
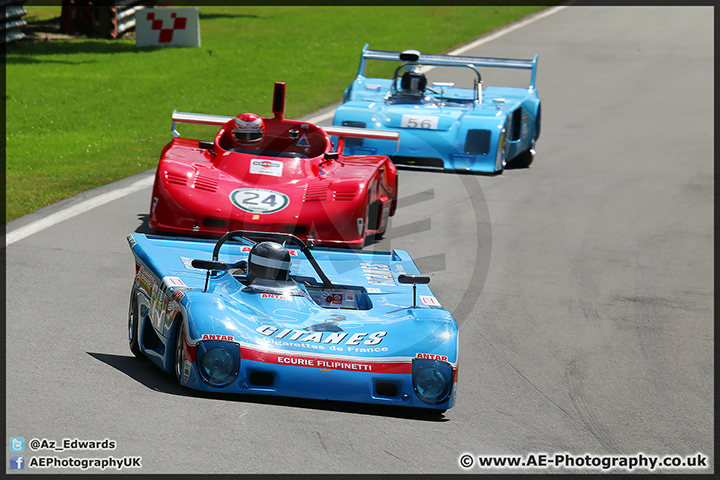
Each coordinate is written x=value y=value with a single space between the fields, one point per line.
x=248 y=130
x=268 y=261
x=413 y=82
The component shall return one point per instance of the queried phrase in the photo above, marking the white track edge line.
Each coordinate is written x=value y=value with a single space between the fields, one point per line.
x=77 y=209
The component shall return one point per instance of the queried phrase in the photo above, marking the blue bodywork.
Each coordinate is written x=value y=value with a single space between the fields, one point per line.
x=343 y=328
x=475 y=129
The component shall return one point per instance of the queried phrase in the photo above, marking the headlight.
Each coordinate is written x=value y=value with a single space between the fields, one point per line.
x=218 y=362
x=432 y=380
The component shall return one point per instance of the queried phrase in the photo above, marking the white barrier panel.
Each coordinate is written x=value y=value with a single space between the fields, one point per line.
x=168 y=27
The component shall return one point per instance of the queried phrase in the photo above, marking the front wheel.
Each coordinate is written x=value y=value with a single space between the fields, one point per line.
x=502 y=148
x=133 y=325
x=432 y=412
x=393 y=204
x=179 y=350
x=525 y=158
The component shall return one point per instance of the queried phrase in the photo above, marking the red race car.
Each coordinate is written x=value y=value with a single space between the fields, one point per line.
x=274 y=175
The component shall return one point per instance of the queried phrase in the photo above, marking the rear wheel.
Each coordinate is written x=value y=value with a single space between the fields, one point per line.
x=133 y=325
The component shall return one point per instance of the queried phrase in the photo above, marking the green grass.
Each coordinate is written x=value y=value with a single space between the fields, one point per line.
x=84 y=112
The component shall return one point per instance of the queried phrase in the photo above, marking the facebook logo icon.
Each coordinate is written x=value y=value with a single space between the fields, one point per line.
x=17 y=462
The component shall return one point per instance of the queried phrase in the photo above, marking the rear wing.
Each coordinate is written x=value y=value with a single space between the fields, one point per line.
x=209 y=119
x=413 y=56
x=279 y=112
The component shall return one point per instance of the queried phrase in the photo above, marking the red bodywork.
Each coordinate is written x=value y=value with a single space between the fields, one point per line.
x=208 y=189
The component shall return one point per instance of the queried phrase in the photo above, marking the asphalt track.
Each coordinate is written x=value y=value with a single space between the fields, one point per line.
x=583 y=286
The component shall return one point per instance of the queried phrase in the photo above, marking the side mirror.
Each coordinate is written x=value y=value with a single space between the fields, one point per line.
x=329 y=156
x=208 y=265
x=414 y=280
x=205 y=145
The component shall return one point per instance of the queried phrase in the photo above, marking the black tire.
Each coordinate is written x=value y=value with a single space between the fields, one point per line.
x=432 y=413
x=393 y=205
x=134 y=325
x=524 y=159
x=179 y=349
x=366 y=221
x=503 y=146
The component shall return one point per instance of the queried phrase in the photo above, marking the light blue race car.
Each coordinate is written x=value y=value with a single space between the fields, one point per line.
x=262 y=313
x=457 y=125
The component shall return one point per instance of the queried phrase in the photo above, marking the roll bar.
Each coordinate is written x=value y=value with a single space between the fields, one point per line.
x=247 y=235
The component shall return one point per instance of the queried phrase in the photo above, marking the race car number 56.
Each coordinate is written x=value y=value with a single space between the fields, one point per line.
x=419 y=121
x=258 y=200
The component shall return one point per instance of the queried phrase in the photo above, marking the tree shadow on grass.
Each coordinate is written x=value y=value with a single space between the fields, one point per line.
x=44 y=51
x=213 y=16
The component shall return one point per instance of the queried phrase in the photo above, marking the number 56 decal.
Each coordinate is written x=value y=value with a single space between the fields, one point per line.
x=257 y=200
x=419 y=121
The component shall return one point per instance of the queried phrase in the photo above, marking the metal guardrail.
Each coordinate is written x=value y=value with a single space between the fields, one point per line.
x=122 y=16
x=78 y=16
x=11 y=22
x=107 y=21
x=125 y=17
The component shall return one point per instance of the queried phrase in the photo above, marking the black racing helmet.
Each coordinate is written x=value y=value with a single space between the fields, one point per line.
x=269 y=261
x=413 y=82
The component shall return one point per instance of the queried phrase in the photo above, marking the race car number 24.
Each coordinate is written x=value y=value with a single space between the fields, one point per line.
x=258 y=200
x=419 y=121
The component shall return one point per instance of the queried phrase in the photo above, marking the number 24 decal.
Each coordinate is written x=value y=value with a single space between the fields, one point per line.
x=258 y=200
x=250 y=198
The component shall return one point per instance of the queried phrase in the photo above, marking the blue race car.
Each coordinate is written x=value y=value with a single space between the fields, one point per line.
x=262 y=313
x=456 y=126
